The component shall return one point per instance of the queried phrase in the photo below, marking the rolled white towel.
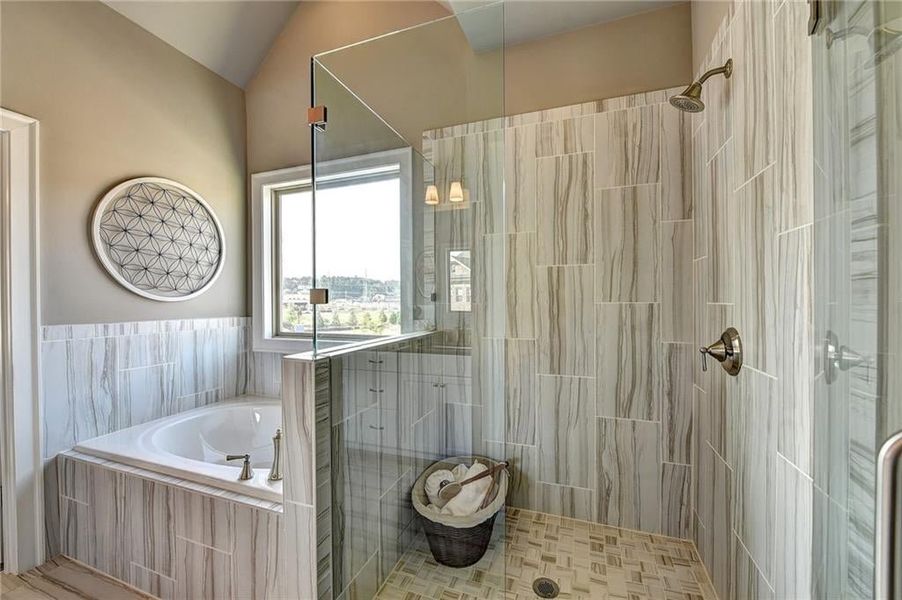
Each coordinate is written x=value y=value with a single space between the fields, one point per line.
x=434 y=484
x=471 y=495
x=460 y=472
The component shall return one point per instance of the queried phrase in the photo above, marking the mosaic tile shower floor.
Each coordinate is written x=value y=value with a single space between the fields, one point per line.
x=587 y=560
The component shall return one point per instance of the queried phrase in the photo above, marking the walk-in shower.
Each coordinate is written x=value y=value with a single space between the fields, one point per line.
x=560 y=269
x=540 y=255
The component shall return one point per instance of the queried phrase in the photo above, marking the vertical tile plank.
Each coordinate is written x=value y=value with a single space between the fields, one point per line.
x=629 y=365
x=627 y=147
x=629 y=479
x=565 y=328
x=627 y=244
x=566 y=447
x=564 y=210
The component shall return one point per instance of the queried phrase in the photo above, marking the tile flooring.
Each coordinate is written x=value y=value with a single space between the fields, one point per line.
x=64 y=579
x=587 y=560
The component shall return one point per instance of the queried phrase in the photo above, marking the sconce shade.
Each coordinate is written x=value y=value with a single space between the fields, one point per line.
x=431 y=195
x=457 y=192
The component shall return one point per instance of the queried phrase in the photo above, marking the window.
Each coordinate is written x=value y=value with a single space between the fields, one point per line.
x=360 y=226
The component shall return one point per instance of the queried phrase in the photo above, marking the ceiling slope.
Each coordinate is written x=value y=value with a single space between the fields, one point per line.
x=229 y=38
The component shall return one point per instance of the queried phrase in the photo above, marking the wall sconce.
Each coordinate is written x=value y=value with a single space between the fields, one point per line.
x=457 y=192
x=431 y=195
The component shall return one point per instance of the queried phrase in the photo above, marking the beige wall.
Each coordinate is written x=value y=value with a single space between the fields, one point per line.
x=115 y=102
x=643 y=52
x=444 y=80
x=707 y=16
x=279 y=93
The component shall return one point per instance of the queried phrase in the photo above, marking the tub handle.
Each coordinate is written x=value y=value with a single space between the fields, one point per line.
x=246 y=471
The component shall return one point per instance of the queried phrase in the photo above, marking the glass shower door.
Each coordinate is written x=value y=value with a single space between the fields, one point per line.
x=404 y=179
x=857 y=73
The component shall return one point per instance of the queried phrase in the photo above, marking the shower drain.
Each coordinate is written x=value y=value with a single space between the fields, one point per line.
x=545 y=588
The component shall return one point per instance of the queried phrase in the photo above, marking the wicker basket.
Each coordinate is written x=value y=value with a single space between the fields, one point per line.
x=458 y=541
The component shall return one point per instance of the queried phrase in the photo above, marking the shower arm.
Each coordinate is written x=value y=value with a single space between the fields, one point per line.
x=726 y=70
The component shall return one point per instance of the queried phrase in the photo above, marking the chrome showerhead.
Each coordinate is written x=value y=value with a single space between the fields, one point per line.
x=690 y=100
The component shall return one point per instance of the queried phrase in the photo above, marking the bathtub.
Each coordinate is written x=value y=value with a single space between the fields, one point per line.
x=192 y=445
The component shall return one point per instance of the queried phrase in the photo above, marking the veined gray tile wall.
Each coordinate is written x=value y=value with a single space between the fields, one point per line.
x=752 y=182
x=99 y=378
x=368 y=421
x=407 y=417
x=581 y=328
x=166 y=540
x=305 y=553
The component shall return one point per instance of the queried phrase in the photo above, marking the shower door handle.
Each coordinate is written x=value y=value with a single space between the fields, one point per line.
x=887 y=498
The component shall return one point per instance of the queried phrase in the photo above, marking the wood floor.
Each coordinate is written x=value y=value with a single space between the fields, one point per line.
x=63 y=579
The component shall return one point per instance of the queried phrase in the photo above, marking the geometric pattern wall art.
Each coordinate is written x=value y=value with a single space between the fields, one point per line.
x=159 y=239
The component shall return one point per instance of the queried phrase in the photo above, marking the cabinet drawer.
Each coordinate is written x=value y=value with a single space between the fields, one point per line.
x=371 y=360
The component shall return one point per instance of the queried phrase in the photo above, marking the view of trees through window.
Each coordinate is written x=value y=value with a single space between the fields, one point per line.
x=356 y=305
x=357 y=258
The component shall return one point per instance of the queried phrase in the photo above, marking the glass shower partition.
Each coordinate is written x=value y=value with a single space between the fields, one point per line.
x=857 y=102
x=408 y=196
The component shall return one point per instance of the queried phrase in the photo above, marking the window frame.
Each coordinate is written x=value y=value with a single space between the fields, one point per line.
x=265 y=266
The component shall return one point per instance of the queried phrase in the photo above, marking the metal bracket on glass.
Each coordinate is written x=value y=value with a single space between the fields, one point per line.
x=319 y=295
x=317 y=117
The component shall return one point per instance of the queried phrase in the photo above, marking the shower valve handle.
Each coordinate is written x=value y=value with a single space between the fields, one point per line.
x=727 y=351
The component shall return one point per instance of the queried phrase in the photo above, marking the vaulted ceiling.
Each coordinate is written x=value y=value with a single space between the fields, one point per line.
x=230 y=38
x=526 y=20
x=233 y=37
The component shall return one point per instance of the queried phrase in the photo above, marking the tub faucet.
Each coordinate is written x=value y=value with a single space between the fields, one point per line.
x=246 y=471
x=275 y=473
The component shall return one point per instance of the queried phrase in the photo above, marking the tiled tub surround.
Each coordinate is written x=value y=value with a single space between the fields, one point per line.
x=581 y=330
x=756 y=510
x=99 y=378
x=167 y=537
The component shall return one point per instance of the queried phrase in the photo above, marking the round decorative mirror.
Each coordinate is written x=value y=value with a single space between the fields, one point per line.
x=159 y=239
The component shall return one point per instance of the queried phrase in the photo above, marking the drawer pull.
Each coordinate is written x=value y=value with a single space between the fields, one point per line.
x=375 y=362
x=377 y=428
x=375 y=391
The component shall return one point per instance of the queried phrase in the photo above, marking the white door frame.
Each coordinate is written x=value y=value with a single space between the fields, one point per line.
x=20 y=350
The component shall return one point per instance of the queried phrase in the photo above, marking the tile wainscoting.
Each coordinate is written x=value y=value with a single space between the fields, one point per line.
x=99 y=378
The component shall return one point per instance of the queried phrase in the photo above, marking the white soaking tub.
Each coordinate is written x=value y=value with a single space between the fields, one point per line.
x=193 y=445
